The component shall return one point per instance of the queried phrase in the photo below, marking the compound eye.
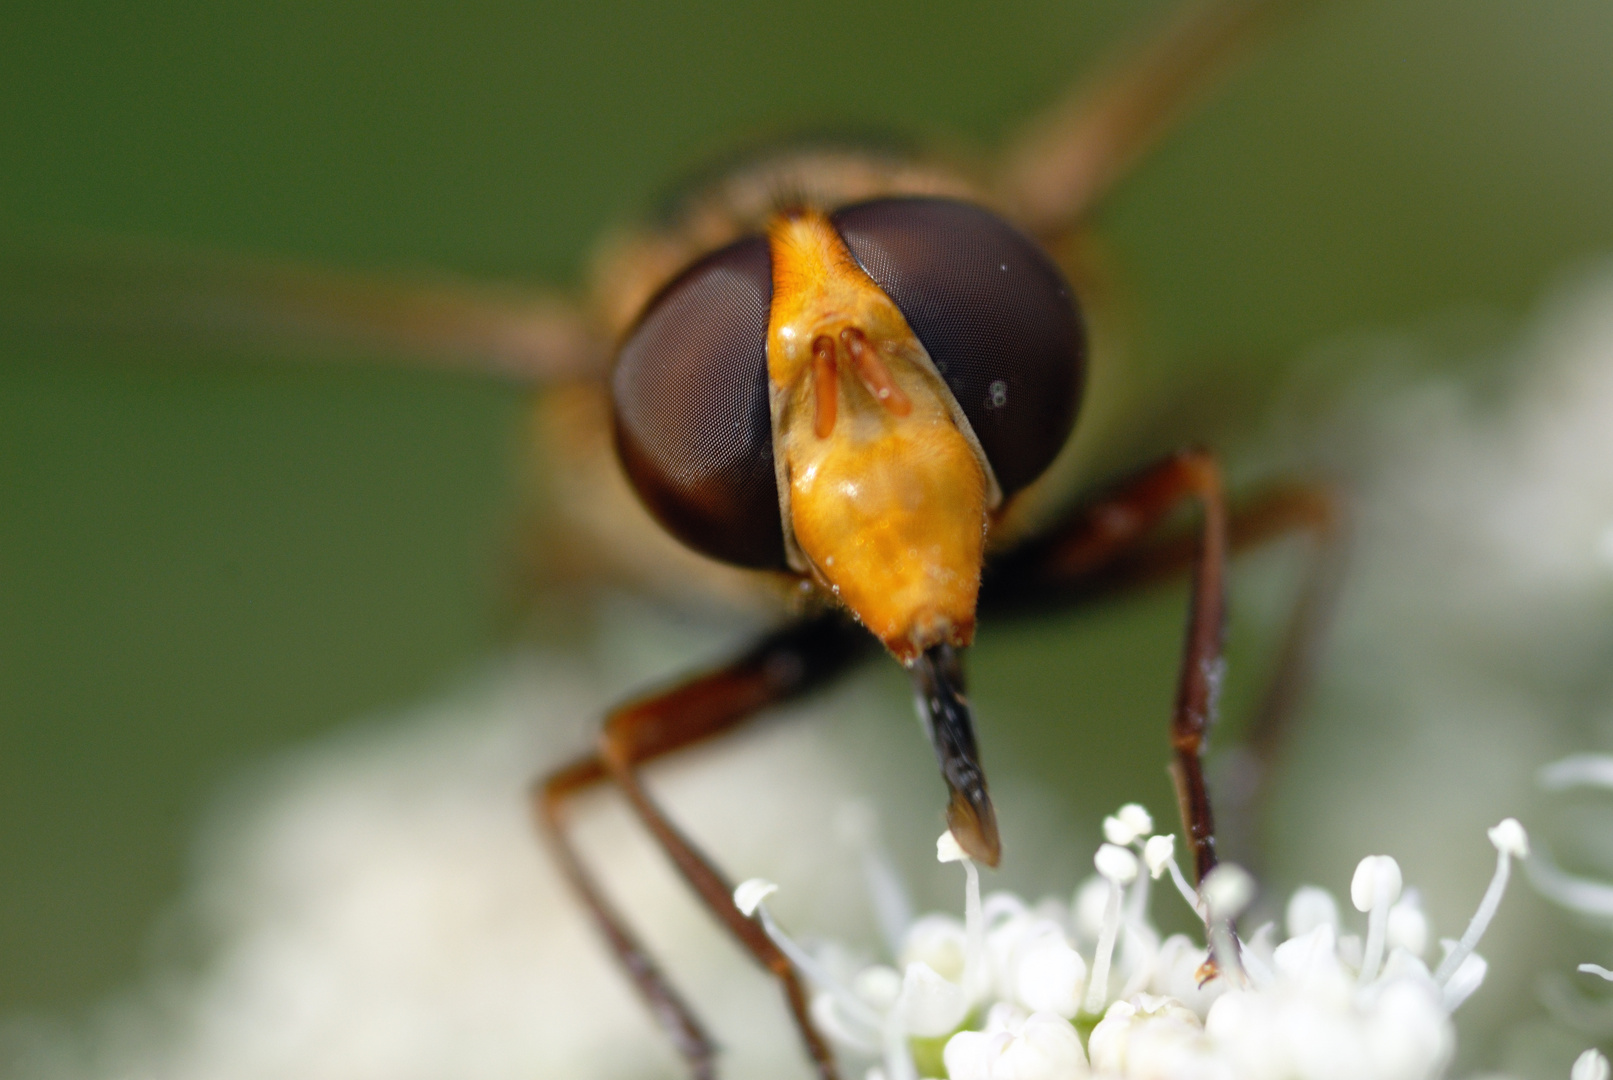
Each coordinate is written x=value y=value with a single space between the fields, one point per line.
x=691 y=406
x=993 y=312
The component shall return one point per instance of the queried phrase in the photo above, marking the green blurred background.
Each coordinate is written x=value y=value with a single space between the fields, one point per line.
x=201 y=562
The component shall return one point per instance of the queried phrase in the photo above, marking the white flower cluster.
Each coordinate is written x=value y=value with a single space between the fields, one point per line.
x=1056 y=990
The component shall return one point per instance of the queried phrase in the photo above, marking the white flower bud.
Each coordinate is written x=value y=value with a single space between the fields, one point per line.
x=1003 y=940
x=1135 y=815
x=1510 y=838
x=1158 y=853
x=1016 y=1047
x=1590 y=1065
x=1049 y=976
x=1176 y=974
x=969 y=1055
x=1128 y=1026
x=1116 y=864
x=939 y=941
x=1310 y=907
x=1004 y=1016
x=1407 y=1033
x=748 y=896
x=1128 y=825
x=929 y=1005
x=1376 y=881
x=1117 y=832
x=1403 y=965
x=1310 y=956
x=1047 y=1048
x=1166 y=1049
x=1107 y=1043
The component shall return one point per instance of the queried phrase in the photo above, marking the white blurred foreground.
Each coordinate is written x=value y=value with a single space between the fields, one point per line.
x=379 y=908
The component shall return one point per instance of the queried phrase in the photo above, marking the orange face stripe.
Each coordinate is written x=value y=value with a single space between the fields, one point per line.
x=887 y=495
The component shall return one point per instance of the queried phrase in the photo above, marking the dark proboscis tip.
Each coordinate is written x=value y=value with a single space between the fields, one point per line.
x=938 y=679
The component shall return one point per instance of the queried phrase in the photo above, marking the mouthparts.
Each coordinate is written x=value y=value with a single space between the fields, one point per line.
x=938 y=681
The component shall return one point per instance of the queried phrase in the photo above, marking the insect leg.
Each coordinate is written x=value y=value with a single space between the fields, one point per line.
x=782 y=666
x=1112 y=544
x=1091 y=541
x=1316 y=512
x=1069 y=159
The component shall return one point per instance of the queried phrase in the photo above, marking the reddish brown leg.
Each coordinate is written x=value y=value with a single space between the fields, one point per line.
x=1242 y=772
x=784 y=665
x=1088 y=568
x=1112 y=543
x=1095 y=540
x=1311 y=510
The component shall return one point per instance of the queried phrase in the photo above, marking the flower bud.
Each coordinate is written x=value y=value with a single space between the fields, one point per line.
x=1116 y=864
x=1310 y=907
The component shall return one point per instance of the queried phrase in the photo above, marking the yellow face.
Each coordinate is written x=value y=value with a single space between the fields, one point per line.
x=885 y=491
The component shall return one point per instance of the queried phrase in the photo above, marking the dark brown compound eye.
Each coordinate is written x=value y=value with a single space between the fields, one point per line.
x=993 y=312
x=691 y=406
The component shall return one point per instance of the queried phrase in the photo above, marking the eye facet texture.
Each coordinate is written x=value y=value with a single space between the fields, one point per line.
x=993 y=312
x=692 y=421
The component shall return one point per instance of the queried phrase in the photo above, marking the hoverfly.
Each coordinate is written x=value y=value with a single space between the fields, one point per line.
x=841 y=375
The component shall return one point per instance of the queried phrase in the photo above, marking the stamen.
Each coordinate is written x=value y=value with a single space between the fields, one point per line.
x=1160 y=854
x=1509 y=840
x=1131 y=826
x=825 y=386
x=1374 y=889
x=873 y=373
x=947 y=849
x=1137 y=901
x=748 y=898
x=1118 y=867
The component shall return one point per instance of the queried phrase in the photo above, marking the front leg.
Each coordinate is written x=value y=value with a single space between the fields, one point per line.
x=782 y=666
x=1102 y=539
